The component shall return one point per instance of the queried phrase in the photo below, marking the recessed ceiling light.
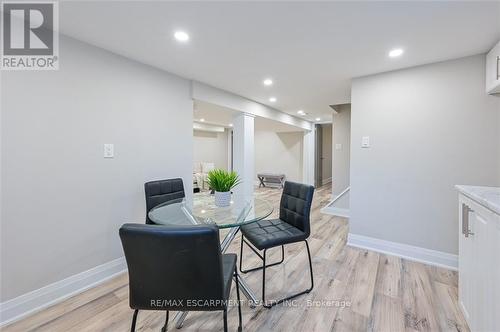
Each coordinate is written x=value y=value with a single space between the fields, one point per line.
x=301 y=112
x=268 y=81
x=230 y=125
x=202 y=120
x=181 y=36
x=396 y=52
x=272 y=99
x=318 y=119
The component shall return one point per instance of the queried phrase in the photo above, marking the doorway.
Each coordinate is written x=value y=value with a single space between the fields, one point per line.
x=323 y=154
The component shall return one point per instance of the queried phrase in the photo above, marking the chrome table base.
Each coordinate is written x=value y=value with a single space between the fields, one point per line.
x=181 y=315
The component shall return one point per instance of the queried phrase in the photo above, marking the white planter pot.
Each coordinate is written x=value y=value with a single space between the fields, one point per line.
x=223 y=198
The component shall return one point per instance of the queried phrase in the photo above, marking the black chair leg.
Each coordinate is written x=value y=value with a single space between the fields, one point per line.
x=259 y=255
x=238 y=298
x=264 y=279
x=310 y=267
x=273 y=303
x=225 y=320
x=164 y=328
x=134 y=320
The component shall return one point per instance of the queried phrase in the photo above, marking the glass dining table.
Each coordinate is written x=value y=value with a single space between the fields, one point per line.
x=204 y=211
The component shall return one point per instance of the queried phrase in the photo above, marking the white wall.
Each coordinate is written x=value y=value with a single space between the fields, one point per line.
x=342 y=156
x=210 y=147
x=279 y=153
x=62 y=202
x=430 y=127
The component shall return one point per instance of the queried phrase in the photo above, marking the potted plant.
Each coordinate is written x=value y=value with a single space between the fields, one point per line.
x=222 y=182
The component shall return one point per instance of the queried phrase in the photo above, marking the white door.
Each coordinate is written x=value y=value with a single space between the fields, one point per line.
x=466 y=260
x=481 y=300
x=495 y=230
x=479 y=266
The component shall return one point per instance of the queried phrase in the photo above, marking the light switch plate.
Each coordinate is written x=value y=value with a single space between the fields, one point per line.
x=109 y=150
x=338 y=146
x=365 y=142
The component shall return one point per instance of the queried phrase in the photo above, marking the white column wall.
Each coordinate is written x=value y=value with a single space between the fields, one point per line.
x=244 y=156
x=308 y=157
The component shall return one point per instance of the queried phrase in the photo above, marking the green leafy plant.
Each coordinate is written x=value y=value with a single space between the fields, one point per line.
x=222 y=181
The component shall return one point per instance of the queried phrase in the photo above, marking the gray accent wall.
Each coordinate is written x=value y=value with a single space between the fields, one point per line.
x=430 y=127
x=62 y=202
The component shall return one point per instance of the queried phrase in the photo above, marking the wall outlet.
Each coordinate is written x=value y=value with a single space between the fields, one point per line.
x=365 y=142
x=109 y=150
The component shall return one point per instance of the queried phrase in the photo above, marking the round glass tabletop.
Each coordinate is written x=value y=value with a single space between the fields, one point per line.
x=204 y=210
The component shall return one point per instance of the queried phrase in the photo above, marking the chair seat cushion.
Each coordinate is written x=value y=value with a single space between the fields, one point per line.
x=228 y=266
x=266 y=234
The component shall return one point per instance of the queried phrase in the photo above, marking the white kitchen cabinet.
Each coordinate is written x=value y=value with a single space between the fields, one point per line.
x=479 y=265
x=493 y=70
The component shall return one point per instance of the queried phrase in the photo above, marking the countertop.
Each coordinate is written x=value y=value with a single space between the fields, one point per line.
x=486 y=196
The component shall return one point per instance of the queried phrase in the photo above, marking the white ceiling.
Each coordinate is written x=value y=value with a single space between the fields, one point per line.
x=222 y=116
x=311 y=50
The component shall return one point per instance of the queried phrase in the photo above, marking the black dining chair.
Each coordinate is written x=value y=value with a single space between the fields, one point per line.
x=187 y=272
x=162 y=191
x=293 y=225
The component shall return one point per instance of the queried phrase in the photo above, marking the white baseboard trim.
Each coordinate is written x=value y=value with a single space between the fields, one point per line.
x=334 y=211
x=29 y=303
x=464 y=311
x=412 y=253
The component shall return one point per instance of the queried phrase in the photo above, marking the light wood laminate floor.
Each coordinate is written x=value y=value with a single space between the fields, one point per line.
x=354 y=290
